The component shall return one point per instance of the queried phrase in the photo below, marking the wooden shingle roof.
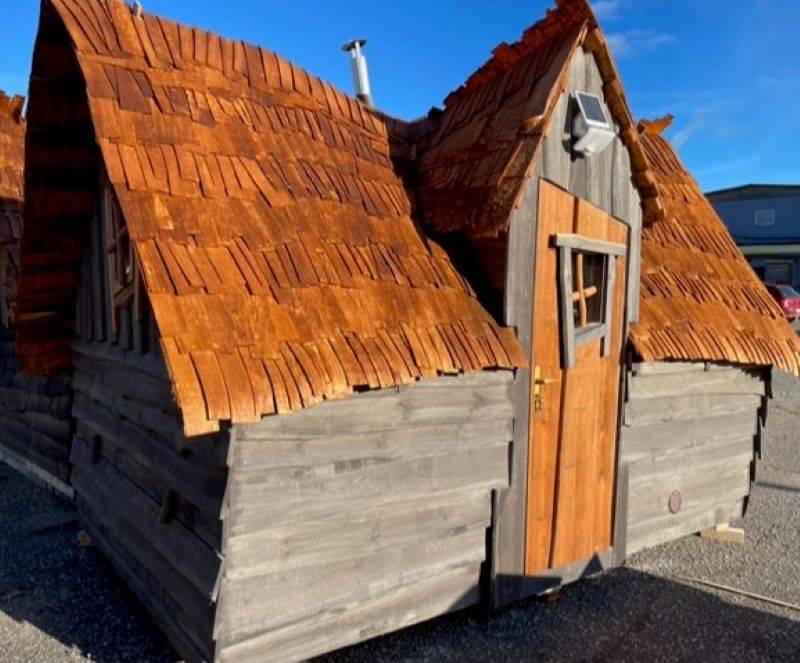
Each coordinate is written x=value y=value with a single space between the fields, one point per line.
x=701 y=301
x=473 y=165
x=12 y=161
x=269 y=217
x=12 y=145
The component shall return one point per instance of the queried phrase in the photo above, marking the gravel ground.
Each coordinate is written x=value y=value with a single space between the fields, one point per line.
x=61 y=602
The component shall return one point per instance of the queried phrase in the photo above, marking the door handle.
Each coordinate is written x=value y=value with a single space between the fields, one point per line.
x=538 y=383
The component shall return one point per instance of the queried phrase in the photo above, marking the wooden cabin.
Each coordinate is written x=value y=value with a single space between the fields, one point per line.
x=290 y=410
x=34 y=410
x=299 y=331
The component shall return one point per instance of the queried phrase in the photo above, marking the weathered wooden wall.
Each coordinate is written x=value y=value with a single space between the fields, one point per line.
x=688 y=428
x=357 y=517
x=34 y=421
x=150 y=499
x=605 y=181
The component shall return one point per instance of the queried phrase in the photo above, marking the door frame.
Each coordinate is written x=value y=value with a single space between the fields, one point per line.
x=506 y=580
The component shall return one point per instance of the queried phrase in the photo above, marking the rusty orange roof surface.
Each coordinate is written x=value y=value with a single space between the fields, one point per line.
x=12 y=161
x=12 y=145
x=269 y=217
x=473 y=165
x=700 y=298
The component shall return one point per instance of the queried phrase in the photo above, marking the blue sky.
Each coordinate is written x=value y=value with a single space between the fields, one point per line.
x=727 y=69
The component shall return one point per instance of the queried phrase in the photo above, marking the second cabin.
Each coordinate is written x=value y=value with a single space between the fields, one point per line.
x=335 y=373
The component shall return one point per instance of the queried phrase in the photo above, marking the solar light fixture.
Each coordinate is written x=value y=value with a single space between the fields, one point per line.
x=591 y=127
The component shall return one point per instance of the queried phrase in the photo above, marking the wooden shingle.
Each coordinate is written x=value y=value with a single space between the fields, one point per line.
x=269 y=220
x=701 y=301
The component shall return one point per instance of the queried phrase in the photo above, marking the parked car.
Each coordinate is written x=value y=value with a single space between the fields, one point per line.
x=788 y=299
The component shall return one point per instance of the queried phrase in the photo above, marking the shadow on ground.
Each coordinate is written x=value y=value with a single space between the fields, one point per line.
x=624 y=615
x=59 y=601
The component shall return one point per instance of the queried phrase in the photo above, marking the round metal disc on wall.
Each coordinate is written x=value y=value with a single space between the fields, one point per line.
x=674 y=502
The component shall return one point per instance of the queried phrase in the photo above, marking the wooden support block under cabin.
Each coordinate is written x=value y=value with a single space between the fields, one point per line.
x=724 y=532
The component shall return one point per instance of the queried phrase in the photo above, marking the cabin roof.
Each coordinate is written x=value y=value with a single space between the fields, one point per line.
x=12 y=146
x=473 y=165
x=755 y=191
x=700 y=300
x=271 y=220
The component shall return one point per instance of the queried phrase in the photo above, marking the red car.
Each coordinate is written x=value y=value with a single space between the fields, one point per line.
x=788 y=299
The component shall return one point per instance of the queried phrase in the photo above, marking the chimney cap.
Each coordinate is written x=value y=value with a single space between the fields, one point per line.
x=354 y=43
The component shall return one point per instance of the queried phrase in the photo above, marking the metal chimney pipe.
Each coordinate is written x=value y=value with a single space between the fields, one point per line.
x=358 y=64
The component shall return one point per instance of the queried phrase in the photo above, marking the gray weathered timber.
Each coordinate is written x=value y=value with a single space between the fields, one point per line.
x=129 y=456
x=689 y=431
x=581 y=243
x=577 y=81
x=693 y=406
x=34 y=421
x=356 y=517
x=509 y=504
x=605 y=180
x=398 y=607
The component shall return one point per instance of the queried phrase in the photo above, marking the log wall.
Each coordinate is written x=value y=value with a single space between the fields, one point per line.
x=358 y=517
x=35 y=426
x=150 y=499
x=689 y=430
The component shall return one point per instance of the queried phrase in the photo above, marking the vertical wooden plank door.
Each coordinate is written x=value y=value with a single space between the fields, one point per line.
x=578 y=313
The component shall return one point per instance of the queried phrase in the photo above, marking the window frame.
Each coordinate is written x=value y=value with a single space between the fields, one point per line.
x=572 y=338
x=122 y=285
x=769 y=212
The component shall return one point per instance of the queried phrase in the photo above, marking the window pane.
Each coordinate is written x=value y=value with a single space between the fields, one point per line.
x=588 y=280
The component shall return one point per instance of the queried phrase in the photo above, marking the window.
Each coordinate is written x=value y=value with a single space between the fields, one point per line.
x=587 y=270
x=119 y=251
x=765 y=217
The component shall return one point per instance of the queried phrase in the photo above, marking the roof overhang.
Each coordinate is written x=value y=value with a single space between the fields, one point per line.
x=771 y=249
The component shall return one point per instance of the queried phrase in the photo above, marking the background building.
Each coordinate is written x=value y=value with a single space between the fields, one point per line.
x=764 y=220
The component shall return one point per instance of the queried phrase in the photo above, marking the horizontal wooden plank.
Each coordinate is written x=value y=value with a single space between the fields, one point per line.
x=251 y=605
x=655 y=532
x=394 y=609
x=667 y=367
x=702 y=486
x=643 y=411
x=731 y=381
x=405 y=442
x=377 y=411
x=207 y=526
x=53 y=386
x=18 y=399
x=349 y=534
x=188 y=555
x=675 y=438
x=24 y=439
x=693 y=461
x=581 y=243
x=200 y=483
x=211 y=448
x=150 y=363
x=189 y=631
x=280 y=495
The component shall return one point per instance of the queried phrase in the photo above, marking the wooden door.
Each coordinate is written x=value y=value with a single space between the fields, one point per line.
x=578 y=313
